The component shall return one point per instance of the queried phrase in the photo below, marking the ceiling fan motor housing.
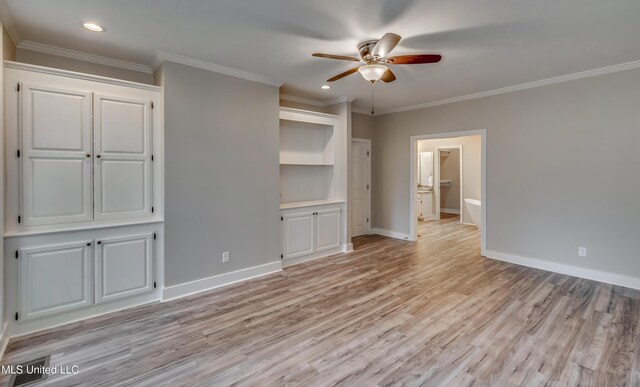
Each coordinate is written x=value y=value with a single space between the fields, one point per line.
x=365 y=49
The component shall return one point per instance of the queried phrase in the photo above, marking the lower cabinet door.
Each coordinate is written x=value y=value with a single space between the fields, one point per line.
x=297 y=234
x=54 y=279
x=327 y=229
x=123 y=267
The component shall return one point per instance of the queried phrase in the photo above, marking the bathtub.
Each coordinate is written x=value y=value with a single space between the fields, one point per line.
x=475 y=210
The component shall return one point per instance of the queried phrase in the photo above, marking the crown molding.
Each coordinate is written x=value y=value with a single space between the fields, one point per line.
x=79 y=55
x=7 y=22
x=162 y=56
x=362 y=111
x=315 y=102
x=522 y=86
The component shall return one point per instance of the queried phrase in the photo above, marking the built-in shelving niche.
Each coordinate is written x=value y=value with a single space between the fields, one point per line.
x=307 y=156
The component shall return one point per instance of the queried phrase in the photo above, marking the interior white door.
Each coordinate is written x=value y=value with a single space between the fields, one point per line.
x=123 y=267
x=54 y=279
x=297 y=234
x=56 y=155
x=122 y=129
x=360 y=188
x=327 y=229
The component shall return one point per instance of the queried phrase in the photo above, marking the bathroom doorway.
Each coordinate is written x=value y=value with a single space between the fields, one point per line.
x=448 y=181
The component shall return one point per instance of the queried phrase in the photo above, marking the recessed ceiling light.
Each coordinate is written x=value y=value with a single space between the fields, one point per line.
x=325 y=87
x=93 y=27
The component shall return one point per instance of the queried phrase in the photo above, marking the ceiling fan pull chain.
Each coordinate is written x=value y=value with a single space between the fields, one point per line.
x=372 y=100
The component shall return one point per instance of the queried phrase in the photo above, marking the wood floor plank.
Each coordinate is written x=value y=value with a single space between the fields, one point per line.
x=430 y=312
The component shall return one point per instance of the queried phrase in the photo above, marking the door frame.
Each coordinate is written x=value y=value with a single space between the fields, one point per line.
x=367 y=142
x=413 y=181
x=436 y=174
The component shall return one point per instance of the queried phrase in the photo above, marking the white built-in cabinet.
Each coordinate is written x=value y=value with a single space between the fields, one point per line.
x=310 y=230
x=312 y=185
x=83 y=219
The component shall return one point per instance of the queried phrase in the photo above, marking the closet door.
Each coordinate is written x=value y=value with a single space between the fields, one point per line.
x=56 y=155
x=122 y=130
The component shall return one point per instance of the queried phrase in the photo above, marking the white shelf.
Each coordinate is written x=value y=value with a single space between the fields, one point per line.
x=310 y=164
x=309 y=203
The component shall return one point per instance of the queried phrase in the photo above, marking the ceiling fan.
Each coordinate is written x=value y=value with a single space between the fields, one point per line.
x=375 y=60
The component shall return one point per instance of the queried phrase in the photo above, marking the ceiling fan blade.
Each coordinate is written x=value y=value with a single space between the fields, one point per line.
x=388 y=76
x=338 y=57
x=343 y=74
x=414 y=59
x=385 y=45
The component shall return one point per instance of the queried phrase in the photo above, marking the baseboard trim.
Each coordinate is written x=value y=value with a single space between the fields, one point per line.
x=450 y=211
x=574 y=271
x=320 y=254
x=4 y=339
x=390 y=233
x=188 y=288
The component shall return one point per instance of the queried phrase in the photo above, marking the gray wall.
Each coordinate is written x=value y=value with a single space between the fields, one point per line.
x=221 y=173
x=362 y=126
x=562 y=169
x=41 y=59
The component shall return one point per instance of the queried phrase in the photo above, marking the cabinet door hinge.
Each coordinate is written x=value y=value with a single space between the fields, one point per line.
x=281 y=256
x=155 y=285
x=151 y=105
x=17 y=315
x=152 y=210
x=367 y=220
x=17 y=254
x=18 y=90
x=19 y=219
x=18 y=153
x=154 y=235
x=367 y=186
x=151 y=157
x=367 y=153
x=281 y=218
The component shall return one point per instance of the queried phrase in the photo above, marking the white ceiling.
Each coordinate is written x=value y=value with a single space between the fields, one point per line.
x=486 y=44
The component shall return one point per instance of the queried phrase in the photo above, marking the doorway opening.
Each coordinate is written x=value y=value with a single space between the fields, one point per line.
x=448 y=181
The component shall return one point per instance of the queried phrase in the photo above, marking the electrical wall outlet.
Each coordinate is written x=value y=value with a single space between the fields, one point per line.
x=225 y=257
x=582 y=251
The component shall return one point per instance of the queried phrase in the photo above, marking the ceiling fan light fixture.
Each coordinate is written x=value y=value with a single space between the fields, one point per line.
x=372 y=72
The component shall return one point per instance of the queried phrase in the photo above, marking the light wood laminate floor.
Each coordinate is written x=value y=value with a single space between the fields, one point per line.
x=433 y=312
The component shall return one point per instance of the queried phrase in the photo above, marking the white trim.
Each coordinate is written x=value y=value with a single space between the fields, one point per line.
x=450 y=211
x=4 y=339
x=390 y=233
x=162 y=56
x=216 y=281
x=518 y=87
x=317 y=255
x=362 y=111
x=574 y=271
x=7 y=22
x=83 y=56
x=314 y=102
x=347 y=247
x=413 y=149
x=73 y=74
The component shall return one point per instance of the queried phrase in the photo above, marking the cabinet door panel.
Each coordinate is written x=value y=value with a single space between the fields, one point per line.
x=54 y=279
x=297 y=234
x=56 y=137
x=123 y=267
x=123 y=171
x=327 y=229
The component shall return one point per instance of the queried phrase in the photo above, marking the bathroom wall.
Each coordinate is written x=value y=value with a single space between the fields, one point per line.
x=472 y=167
x=450 y=170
